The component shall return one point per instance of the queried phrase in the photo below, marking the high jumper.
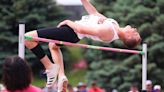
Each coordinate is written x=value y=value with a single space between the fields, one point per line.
x=94 y=26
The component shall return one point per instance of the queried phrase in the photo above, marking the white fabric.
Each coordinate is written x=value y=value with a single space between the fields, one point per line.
x=157 y=87
x=148 y=82
x=91 y=21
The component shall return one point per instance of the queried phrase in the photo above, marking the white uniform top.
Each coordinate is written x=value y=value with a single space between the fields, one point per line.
x=91 y=21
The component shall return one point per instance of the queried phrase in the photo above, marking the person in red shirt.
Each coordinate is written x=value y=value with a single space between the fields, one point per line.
x=95 y=88
x=17 y=76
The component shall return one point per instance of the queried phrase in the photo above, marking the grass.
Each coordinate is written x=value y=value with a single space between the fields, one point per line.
x=74 y=78
x=40 y=82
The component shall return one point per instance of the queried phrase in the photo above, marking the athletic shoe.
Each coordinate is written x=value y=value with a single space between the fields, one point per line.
x=62 y=84
x=52 y=75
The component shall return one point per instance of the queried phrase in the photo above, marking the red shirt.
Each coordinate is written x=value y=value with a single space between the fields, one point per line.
x=29 y=89
x=97 y=89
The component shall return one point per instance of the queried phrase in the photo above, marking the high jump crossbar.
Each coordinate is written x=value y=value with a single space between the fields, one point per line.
x=143 y=52
x=83 y=45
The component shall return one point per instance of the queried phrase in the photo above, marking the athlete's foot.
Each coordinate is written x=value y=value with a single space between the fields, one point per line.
x=62 y=84
x=52 y=75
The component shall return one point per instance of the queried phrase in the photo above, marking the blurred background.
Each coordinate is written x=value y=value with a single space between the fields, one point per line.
x=110 y=70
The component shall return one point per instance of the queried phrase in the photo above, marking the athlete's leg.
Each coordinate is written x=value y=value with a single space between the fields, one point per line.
x=52 y=69
x=30 y=44
x=64 y=33
x=58 y=58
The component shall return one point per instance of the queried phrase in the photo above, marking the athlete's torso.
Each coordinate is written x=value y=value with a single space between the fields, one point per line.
x=92 y=21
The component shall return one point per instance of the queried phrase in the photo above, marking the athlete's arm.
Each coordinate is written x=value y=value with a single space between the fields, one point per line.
x=91 y=9
x=102 y=30
x=79 y=28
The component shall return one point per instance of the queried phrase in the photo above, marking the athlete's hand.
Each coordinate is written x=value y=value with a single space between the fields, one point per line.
x=63 y=23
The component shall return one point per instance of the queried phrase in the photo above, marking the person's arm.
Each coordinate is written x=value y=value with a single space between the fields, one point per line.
x=79 y=28
x=102 y=30
x=91 y=9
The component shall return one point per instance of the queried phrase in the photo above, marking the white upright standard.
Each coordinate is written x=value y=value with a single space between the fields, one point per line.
x=21 y=47
x=144 y=67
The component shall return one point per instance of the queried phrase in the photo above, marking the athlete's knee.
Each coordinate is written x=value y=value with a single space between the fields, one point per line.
x=32 y=33
x=53 y=46
x=29 y=43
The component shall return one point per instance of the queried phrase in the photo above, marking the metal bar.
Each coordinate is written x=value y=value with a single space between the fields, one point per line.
x=21 y=47
x=144 y=67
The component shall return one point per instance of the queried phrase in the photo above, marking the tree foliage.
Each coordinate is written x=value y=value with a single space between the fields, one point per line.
x=35 y=13
x=119 y=70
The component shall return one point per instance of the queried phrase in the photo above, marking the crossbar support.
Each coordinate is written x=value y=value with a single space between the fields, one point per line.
x=144 y=67
x=21 y=48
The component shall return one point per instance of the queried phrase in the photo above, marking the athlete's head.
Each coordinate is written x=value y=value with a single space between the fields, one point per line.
x=130 y=36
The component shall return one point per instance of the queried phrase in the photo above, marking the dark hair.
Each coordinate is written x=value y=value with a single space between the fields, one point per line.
x=133 y=42
x=17 y=74
x=94 y=83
